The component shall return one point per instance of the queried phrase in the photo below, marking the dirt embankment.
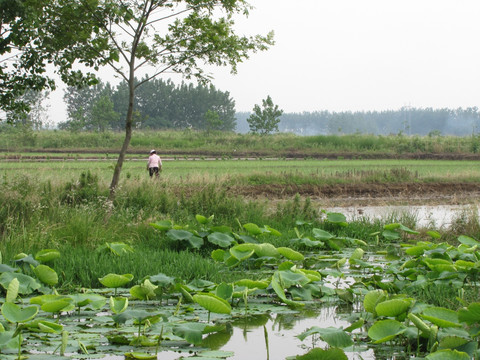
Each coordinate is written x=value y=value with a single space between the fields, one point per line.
x=369 y=194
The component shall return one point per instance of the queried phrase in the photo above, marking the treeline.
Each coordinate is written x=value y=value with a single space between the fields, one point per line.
x=407 y=121
x=158 y=105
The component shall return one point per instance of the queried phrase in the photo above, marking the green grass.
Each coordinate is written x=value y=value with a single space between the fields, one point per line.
x=231 y=144
x=248 y=172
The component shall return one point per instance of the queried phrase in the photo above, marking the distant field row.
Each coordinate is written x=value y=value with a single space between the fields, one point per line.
x=254 y=171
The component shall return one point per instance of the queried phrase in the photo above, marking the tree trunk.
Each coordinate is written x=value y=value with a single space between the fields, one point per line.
x=126 y=141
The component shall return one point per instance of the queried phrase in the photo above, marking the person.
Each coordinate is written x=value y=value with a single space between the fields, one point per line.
x=154 y=164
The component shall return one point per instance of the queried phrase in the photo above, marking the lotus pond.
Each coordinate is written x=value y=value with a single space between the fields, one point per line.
x=325 y=297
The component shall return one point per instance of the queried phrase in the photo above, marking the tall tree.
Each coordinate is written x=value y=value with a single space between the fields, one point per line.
x=168 y=35
x=35 y=33
x=265 y=119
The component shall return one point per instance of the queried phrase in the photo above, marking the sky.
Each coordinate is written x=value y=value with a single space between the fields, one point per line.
x=356 y=55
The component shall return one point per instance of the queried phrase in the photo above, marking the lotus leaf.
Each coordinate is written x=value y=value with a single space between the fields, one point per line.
x=417 y=250
x=221 y=239
x=191 y=332
x=49 y=327
x=163 y=225
x=27 y=284
x=162 y=280
x=391 y=235
x=253 y=229
x=186 y=294
x=312 y=275
x=201 y=285
x=425 y=330
x=139 y=356
x=15 y=314
x=266 y=250
x=452 y=342
x=118 y=305
x=290 y=254
x=224 y=291
x=6 y=268
x=243 y=251
x=220 y=255
x=57 y=306
x=356 y=255
x=392 y=308
x=332 y=336
x=466 y=240
x=204 y=220
x=320 y=354
x=290 y=278
x=213 y=303
x=272 y=231
x=448 y=355
x=12 y=290
x=372 y=298
x=322 y=234
x=470 y=315
x=119 y=248
x=252 y=284
x=93 y=301
x=47 y=255
x=385 y=330
x=115 y=280
x=441 y=317
x=145 y=291
x=337 y=218
x=46 y=275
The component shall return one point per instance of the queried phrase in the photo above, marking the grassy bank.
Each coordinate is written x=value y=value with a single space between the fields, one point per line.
x=231 y=144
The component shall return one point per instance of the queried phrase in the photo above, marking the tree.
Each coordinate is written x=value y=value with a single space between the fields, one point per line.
x=167 y=35
x=35 y=33
x=265 y=120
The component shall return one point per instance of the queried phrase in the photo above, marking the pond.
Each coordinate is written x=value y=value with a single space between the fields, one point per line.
x=426 y=216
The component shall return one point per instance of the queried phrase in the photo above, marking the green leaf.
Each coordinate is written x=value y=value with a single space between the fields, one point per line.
x=163 y=225
x=448 y=355
x=93 y=301
x=162 y=280
x=337 y=218
x=27 y=284
x=49 y=327
x=12 y=290
x=46 y=275
x=15 y=314
x=139 y=356
x=191 y=332
x=290 y=254
x=441 y=317
x=332 y=336
x=118 y=305
x=266 y=250
x=47 y=255
x=119 y=248
x=243 y=251
x=56 y=306
x=115 y=280
x=372 y=298
x=470 y=315
x=385 y=330
x=220 y=239
x=320 y=354
x=213 y=303
x=466 y=240
x=145 y=291
x=224 y=291
x=252 y=284
x=322 y=234
x=392 y=308
x=253 y=229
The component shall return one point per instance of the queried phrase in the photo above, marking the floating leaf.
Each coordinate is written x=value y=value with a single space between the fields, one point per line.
x=27 y=284
x=139 y=356
x=15 y=314
x=191 y=332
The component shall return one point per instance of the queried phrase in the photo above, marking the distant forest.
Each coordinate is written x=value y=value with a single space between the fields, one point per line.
x=408 y=121
x=165 y=105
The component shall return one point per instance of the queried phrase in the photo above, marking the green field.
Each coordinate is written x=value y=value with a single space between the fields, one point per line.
x=245 y=172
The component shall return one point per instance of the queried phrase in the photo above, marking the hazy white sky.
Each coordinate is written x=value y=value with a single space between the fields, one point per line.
x=360 y=55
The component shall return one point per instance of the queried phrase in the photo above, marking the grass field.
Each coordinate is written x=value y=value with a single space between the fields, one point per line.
x=182 y=171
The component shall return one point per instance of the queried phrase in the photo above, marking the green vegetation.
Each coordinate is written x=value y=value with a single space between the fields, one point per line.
x=218 y=144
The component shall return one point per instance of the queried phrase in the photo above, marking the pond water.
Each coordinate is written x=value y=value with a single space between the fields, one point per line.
x=426 y=216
